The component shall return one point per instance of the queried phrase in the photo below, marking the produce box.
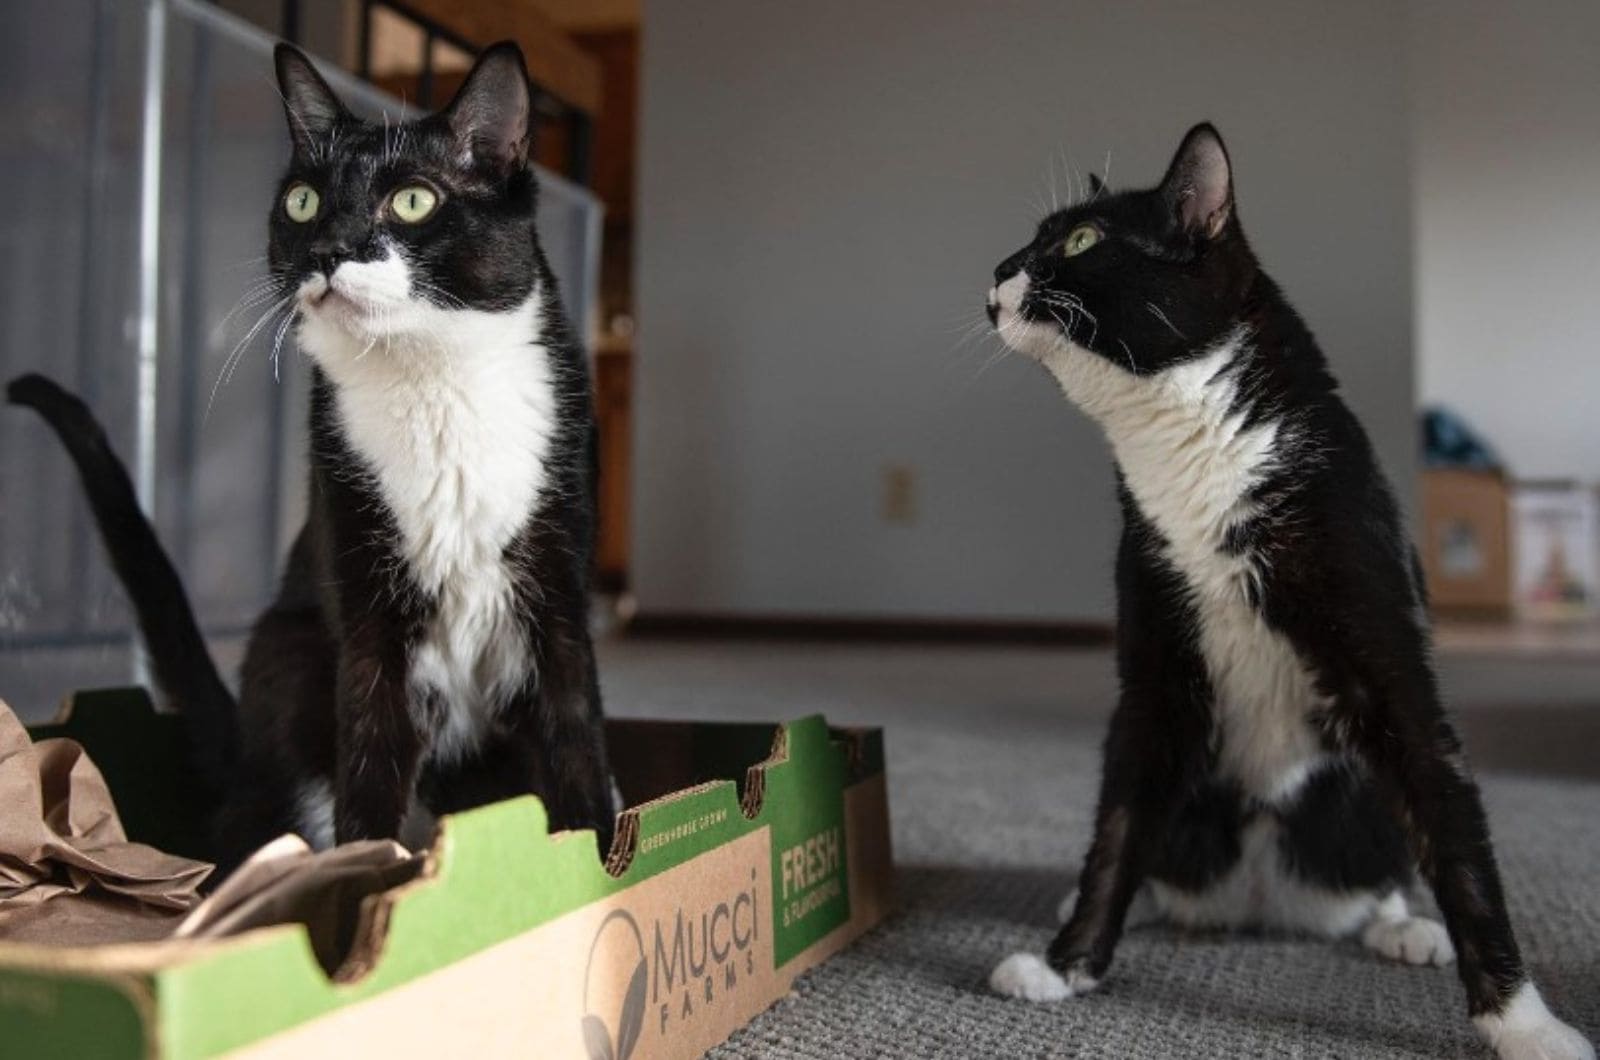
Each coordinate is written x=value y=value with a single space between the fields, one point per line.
x=750 y=853
x=1466 y=550
x=1556 y=535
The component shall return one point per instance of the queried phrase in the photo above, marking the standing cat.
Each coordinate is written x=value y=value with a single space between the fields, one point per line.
x=429 y=643
x=1279 y=754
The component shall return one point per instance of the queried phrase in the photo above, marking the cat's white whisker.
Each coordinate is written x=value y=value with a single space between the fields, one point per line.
x=256 y=294
x=237 y=353
x=1126 y=350
x=1156 y=312
x=277 y=340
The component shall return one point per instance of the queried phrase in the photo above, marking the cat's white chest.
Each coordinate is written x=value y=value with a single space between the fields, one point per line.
x=1263 y=700
x=456 y=439
x=1191 y=460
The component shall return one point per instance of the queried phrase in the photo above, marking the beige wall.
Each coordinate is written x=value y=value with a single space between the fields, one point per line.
x=1507 y=187
x=825 y=189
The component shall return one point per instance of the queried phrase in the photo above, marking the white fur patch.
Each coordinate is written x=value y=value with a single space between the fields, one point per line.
x=452 y=410
x=1527 y=1030
x=1190 y=461
x=1027 y=976
x=1257 y=891
x=1396 y=934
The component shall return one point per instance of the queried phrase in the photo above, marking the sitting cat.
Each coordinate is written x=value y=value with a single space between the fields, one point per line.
x=429 y=644
x=1279 y=755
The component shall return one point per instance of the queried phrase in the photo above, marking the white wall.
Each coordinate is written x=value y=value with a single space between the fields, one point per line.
x=825 y=189
x=1507 y=126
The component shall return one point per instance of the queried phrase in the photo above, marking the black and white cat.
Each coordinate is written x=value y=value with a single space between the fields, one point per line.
x=429 y=647
x=1279 y=755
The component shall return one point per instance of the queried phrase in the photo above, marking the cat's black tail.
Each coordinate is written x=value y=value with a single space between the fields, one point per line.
x=178 y=654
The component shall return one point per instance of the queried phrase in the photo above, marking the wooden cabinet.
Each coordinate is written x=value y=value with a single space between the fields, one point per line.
x=613 y=381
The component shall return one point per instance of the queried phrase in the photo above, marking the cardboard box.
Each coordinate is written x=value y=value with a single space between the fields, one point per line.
x=513 y=943
x=1556 y=535
x=1466 y=550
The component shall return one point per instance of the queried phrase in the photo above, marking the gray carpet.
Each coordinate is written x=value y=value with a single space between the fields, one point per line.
x=992 y=773
x=984 y=860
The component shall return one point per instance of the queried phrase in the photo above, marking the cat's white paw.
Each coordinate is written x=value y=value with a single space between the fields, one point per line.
x=1526 y=1030
x=1553 y=1041
x=1411 y=940
x=1027 y=976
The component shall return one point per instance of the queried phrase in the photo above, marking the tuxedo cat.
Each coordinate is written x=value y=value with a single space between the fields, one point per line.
x=429 y=647
x=1279 y=755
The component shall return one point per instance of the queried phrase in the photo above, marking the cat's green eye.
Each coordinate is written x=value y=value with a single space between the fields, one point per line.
x=301 y=203
x=413 y=203
x=1079 y=240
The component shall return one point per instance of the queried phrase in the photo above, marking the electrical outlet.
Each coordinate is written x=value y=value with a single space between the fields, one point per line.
x=899 y=494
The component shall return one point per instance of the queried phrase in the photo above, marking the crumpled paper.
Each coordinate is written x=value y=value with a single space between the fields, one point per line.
x=69 y=876
x=287 y=882
x=60 y=835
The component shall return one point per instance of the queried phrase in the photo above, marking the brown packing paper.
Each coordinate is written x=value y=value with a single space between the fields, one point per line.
x=61 y=841
x=69 y=876
x=286 y=882
x=86 y=919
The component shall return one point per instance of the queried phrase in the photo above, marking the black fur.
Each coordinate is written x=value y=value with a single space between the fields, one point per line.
x=1170 y=276
x=324 y=690
x=177 y=650
x=1202 y=843
x=1339 y=834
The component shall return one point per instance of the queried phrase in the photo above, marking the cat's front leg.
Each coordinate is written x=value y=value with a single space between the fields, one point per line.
x=1146 y=773
x=550 y=743
x=1449 y=834
x=1393 y=715
x=1155 y=757
x=567 y=732
x=379 y=745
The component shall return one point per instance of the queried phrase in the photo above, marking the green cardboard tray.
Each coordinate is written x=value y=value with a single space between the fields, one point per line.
x=715 y=895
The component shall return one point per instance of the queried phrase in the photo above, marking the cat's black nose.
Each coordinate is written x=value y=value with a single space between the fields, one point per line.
x=327 y=254
x=1011 y=266
x=992 y=307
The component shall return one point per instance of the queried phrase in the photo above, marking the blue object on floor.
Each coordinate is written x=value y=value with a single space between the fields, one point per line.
x=1447 y=441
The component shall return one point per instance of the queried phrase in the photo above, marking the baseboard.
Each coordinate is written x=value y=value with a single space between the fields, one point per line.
x=881 y=630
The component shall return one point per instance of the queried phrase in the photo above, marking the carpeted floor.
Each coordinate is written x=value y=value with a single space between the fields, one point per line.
x=991 y=796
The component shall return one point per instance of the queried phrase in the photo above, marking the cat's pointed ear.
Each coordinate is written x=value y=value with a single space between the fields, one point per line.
x=492 y=115
x=1097 y=187
x=310 y=105
x=1198 y=187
